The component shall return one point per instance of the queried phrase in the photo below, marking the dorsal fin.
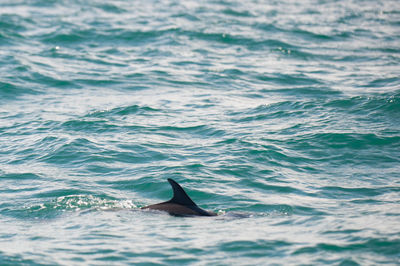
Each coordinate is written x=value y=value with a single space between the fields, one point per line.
x=180 y=196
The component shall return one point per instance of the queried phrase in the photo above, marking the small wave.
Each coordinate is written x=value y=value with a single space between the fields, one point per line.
x=355 y=192
x=292 y=79
x=375 y=246
x=254 y=249
x=372 y=106
x=111 y=8
x=10 y=90
x=77 y=202
x=20 y=176
x=274 y=110
x=124 y=111
x=76 y=151
x=201 y=130
x=17 y=259
x=89 y=126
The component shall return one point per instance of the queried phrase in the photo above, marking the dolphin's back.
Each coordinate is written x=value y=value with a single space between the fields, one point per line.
x=180 y=204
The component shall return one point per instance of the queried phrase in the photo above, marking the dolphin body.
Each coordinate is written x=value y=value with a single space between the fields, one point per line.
x=180 y=204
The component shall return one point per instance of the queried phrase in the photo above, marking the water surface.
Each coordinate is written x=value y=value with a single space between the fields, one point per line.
x=281 y=116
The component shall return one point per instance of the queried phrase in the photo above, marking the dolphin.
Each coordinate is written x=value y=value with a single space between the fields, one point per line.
x=180 y=204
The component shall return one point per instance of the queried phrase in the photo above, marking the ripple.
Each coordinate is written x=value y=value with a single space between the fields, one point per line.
x=256 y=248
x=124 y=111
x=378 y=246
x=67 y=200
x=344 y=192
x=9 y=90
x=20 y=176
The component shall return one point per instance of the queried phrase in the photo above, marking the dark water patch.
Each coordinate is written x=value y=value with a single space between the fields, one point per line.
x=82 y=152
x=181 y=261
x=382 y=108
x=287 y=80
x=110 y=258
x=353 y=58
x=190 y=17
x=308 y=211
x=21 y=188
x=391 y=51
x=96 y=80
x=102 y=60
x=369 y=201
x=234 y=170
x=278 y=110
x=252 y=44
x=228 y=141
x=12 y=23
x=270 y=188
x=73 y=152
x=269 y=28
x=140 y=37
x=12 y=29
x=105 y=169
x=314 y=92
x=222 y=38
x=49 y=142
x=11 y=90
x=20 y=176
x=183 y=83
x=258 y=248
x=35 y=150
x=112 y=36
x=234 y=73
x=391 y=82
x=49 y=81
x=190 y=63
x=344 y=232
x=12 y=259
x=350 y=193
x=237 y=13
x=90 y=126
x=374 y=246
x=348 y=261
x=312 y=36
x=299 y=53
x=272 y=156
x=335 y=147
x=145 y=184
x=4 y=39
x=67 y=37
x=142 y=155
x=200 y=130
x=134 y=109
x=263 y=154
x=111 y=8
x=204 y=105
x=271 y=44
x=353 y=141
x=124 y=111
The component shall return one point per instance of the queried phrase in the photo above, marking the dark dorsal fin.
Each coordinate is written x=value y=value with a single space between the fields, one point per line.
x=180 y=196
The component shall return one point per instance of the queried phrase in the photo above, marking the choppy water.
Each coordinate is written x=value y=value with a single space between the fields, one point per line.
x=282 y=116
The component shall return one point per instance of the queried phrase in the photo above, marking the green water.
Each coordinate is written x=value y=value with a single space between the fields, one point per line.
x=281 y=116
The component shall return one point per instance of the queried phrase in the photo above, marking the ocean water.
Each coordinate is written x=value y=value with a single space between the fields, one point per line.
x=281 y=116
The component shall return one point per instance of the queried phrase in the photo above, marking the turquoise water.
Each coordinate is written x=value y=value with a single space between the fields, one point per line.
x=281 y=116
